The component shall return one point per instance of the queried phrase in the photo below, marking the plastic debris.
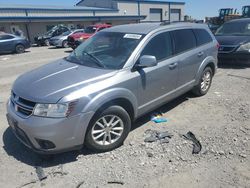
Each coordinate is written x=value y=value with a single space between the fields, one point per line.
x=158 y=118
x=40 y=173
x=196 y=143
x=154 y=135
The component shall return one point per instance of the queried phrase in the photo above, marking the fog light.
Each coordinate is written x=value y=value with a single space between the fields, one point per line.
x=45 y=144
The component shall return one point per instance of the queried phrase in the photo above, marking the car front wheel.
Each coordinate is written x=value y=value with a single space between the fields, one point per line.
x=108 y=129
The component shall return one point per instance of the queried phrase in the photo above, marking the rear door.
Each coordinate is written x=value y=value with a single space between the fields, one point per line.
x=156 y=83
x=188 y=55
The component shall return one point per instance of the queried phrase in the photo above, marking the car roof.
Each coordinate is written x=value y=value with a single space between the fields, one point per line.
x=242 y=20
x=100 y=25
x=145 y=28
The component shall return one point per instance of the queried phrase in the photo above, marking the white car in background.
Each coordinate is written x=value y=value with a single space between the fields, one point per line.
x=61 y=41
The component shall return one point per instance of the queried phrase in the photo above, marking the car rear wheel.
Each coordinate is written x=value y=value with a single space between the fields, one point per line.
x=204 y=83
x=65 y=44
x=108 y=129
x=20 y=48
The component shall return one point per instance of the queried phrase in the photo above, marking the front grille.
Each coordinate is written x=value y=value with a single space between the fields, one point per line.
x=226 y=49
x=22 y=106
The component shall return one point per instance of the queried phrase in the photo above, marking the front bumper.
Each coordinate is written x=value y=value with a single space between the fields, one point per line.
x=65 y=133
x=234 y=58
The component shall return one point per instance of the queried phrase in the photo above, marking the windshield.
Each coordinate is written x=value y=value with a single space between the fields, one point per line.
x=66 y=33
x=90 y=29
x=234 y=28
x=109 y=50
x=51 y=31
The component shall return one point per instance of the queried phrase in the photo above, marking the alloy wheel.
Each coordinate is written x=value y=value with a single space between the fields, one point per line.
x=107 y=130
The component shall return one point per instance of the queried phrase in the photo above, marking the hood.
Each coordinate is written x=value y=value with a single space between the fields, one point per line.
x=51 y=82
x=232 y=40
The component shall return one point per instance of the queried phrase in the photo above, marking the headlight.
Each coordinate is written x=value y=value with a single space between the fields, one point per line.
x=53 y=110
x=244 y=48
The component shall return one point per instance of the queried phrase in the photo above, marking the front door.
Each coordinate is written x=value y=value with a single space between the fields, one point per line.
x=156 y=83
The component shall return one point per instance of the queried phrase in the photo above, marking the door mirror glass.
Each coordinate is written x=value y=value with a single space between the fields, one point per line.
x=147 y=61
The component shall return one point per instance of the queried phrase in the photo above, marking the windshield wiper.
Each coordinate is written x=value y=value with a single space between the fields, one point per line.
x=97 y=61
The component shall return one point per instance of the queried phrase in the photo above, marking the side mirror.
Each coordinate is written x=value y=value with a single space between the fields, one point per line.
x=147 y=61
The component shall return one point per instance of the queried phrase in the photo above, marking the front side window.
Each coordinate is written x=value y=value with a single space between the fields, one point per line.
x=160 y=46
x=202 y=36
x=108 y=50
x=184 y=40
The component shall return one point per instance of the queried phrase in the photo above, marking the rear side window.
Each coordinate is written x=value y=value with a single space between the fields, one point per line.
x=5 y=37
x=202 y=36
x=160 y=46
x=184 y=40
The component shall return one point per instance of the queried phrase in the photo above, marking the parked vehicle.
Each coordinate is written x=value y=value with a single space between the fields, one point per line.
x=76 y=39
x=62 y=40
x=43 y=40
x=14 y=44
x=234 y=40
x=113 y=78
x=246 y=11
x=213 y=28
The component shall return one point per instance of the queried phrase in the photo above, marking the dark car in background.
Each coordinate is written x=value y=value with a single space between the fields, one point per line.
x=234 y=40
x=43 y=40
x=76 y=39
x=13 y=44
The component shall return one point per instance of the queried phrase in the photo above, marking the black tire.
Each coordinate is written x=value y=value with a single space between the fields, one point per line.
x=110 y=111
x=46 y=42
x=198 y=90
x=65 y=44
x=20 y=49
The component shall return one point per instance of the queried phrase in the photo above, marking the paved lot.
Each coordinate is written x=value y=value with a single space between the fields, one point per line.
x=220 y=120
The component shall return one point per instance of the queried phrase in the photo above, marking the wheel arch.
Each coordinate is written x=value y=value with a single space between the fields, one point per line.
x=120 y=97
x=208 y=62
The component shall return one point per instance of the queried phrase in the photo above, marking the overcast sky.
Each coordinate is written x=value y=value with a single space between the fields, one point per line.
x=196 y=8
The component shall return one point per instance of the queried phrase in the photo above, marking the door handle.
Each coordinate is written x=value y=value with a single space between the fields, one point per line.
x=172 y=66
x=200 y=54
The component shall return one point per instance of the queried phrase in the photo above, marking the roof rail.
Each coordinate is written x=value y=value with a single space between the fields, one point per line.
x=167 y=22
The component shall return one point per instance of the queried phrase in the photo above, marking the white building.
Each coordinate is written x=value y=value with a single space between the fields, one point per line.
x=34 y=20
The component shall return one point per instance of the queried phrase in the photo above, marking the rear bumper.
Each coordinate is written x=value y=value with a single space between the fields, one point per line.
x=234 y=58
x=64 y=133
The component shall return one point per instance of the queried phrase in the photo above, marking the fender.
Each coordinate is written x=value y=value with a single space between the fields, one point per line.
x=205 y=62
x=108 y=95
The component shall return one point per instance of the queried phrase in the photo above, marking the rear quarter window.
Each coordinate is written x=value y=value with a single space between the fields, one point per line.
x=202 y=36
x=6 y=37
x=184 y=40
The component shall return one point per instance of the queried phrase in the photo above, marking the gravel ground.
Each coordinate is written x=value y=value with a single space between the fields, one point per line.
x=220 y=120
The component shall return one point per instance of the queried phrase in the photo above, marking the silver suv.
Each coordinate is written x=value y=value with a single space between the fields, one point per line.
x=93 y=96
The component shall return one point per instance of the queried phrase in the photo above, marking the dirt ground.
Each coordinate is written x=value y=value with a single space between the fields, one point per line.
x=220 y=120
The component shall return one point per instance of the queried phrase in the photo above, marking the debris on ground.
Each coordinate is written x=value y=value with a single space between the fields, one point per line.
x=80 y=184
x=196 y=143
x=154 y=135
x=116 y=182
x=59 y=171
x=40 y=173
x=31 y=182
x=158 y=118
